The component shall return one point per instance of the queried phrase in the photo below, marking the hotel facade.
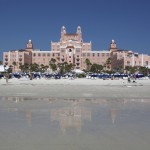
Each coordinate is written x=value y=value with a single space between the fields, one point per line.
x=72 y=49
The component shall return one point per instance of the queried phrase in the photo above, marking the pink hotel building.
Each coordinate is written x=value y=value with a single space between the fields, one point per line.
x=72 y=49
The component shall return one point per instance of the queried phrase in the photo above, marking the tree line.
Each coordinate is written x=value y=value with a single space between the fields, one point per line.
x=64 y=67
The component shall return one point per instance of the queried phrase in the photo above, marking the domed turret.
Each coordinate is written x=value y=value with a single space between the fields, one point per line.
x=63 y=29
x=78 y=30
x=112 y=41
x=113 y=45
x=29 y=44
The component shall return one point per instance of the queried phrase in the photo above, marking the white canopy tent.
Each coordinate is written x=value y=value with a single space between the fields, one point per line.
x=3 y=69
x=78 y=71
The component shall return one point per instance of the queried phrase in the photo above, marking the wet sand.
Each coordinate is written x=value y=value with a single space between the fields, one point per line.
x=80 y=114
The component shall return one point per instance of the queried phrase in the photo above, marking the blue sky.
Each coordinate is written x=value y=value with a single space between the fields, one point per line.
x=125 y=21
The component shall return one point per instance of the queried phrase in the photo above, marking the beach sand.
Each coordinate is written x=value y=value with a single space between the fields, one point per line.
x=76 y=88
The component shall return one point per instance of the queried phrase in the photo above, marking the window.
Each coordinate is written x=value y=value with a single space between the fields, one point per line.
x=128 y=63
x=34 y=54
x=83 y=54
x=120 y=56
x=70 y=50
x=20 y=55
x=6 y=59
x=58 y=54
x=39 y=54
x=77 y=50
x=53 y=54
x=48 y=54
x=103 y=54
x=107 y=54
x=93 y=54
x=98 y=54
x=43 y=54
x=62 y=50
x=69 y=56
x=146 y=63
x=88 y=54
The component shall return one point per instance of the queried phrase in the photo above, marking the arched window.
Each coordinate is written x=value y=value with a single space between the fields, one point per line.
x=128 y=63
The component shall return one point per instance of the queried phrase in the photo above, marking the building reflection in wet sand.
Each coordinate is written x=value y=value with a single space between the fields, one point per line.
x=74 y=114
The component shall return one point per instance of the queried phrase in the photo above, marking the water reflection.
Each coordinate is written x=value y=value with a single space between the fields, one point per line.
x=29 y=117
x=95 y=100
x=113 y=115
x=72 y=116
x=70 y=113
x=31 y=123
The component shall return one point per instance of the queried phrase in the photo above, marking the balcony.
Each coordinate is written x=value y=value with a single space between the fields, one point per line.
x=62 y=59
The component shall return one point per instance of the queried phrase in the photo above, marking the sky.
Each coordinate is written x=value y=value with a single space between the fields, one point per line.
x=125 y=21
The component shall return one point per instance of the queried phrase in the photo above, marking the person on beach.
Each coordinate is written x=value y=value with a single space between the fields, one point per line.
x=6 y=77
x=129 y=79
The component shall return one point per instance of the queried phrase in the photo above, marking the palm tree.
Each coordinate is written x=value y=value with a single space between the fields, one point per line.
x=127 y=69
x=53 y=60
x=108 y=63
x=69 y=67
x=65 y=66
x=52 y=64
x=144 y=70
x=34 y=67
x=43 y=68
x=46 y=67
x=96 y=68
x=14 y=64
x=88 y=64
x=130 y=69
x=21 y=67
x=133 y=69
x=1 y=62
x=61 y=68
x=26 y=67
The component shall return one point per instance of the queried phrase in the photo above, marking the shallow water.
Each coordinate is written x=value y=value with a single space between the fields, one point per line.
x=77 y=124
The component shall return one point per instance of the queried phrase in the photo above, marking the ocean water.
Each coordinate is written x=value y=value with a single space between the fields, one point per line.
x=28 y=123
